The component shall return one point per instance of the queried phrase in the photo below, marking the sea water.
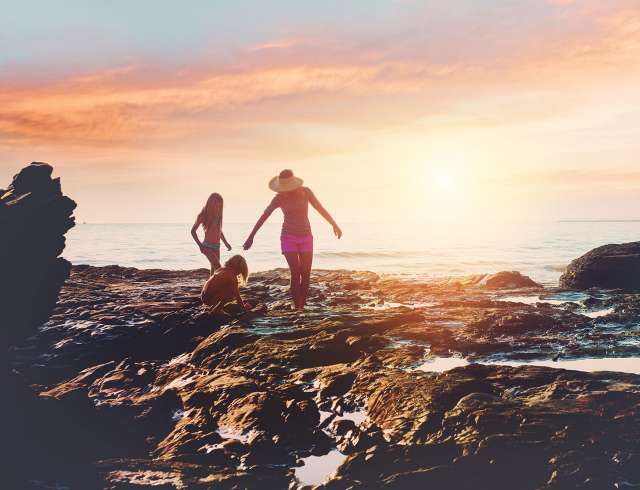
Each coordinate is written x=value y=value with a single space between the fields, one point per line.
x=540 y=250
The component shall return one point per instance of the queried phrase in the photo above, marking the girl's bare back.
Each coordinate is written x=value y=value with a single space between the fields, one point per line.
x=221 y=288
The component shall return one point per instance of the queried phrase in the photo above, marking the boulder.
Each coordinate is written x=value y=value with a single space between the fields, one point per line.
x=615 y=266
x=508 y=280
x=34 y=216
x=499 y=280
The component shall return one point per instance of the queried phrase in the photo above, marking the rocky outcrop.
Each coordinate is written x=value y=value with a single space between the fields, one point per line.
x=34 y=216
x=167 y=395
x=501 y=428
x=501 y=280
x=609 y=267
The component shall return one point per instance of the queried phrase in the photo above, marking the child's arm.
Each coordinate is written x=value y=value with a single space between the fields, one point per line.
x=213 y=310
x=267 y=212
x=324 y=213
x=239 y=299
x=224 y=240
x=194 y=232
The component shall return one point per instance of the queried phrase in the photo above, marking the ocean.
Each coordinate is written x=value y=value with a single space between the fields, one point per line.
x=540 y=250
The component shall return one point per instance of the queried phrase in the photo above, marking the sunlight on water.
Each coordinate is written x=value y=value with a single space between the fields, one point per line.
x=599 y=313
x=356 y=417
x=318 y=469
x=618 y=364
x=541 y=250
x=442 y=364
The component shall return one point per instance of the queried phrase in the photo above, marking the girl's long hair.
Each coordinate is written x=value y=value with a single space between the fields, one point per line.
x=211 y=214
x=238 y=264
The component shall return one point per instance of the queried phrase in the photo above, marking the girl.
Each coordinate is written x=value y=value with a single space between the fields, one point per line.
x=296 y=239
x=211 y=220
x=222 y=286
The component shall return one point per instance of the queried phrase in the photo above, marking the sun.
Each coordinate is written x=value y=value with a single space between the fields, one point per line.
x=444 y=180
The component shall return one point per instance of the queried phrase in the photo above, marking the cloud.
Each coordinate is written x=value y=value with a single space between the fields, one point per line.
x=576 y=177
x=275 y=44
x=389 y=79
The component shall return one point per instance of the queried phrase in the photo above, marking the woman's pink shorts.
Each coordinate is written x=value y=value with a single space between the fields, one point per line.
x=296 y=244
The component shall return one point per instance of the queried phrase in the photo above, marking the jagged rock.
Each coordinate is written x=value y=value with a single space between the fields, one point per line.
x=502 y=427
x=234 y=402
x=34 y=216
x=609 y=267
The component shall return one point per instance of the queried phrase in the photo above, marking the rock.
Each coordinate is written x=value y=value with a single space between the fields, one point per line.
x=172 y=397
x=500 y=427
x=515 y=323
x=34 y=216
x=257 y=411
x=608 y=267
x=501 y=280
x=336 y=384
x=508 y=280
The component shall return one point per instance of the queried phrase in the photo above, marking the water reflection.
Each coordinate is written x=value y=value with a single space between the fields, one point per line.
x=318 y=469
x=617 y=364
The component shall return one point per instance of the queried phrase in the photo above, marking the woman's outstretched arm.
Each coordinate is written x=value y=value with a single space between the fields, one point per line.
x=249 y=242
x=267 y=212
x=324 y=213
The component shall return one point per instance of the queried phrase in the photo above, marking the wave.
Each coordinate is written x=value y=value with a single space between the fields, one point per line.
x=361 y=255
x=555 y=267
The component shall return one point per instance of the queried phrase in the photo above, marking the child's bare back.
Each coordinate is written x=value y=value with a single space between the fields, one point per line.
x=222 y=287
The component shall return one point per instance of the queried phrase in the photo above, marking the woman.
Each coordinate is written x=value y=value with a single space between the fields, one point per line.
x=296 y=239
x=211 y=220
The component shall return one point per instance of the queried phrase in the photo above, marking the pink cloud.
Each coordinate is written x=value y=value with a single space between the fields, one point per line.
x=293 y=81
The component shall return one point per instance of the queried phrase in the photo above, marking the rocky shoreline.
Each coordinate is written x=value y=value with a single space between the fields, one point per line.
x=160 y=394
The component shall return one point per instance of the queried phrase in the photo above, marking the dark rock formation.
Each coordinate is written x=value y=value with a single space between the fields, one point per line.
x=34 y=216
x=608 y=267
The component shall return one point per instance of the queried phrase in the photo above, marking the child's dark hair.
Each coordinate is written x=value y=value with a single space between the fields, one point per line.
x=238 y=264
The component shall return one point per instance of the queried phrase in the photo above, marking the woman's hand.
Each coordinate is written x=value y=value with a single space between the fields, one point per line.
x=247 y=245
x=337 y=231
x=202 y=248
x=228 y=248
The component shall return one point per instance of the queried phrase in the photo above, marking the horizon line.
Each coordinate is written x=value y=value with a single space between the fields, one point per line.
x=613 y=220
x=586 y=220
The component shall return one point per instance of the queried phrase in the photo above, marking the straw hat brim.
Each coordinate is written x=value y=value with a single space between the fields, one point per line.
x=277 y=184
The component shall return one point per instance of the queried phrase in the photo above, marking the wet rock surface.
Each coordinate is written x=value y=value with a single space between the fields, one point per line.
x=175 y=398
x=615 y=266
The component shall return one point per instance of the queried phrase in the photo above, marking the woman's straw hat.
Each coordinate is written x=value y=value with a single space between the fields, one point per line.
x=285 y=182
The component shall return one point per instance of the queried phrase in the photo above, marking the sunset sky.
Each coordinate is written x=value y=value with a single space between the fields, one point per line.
x=391 y=110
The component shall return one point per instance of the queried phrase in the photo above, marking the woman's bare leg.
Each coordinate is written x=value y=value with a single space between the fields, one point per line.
x=214 y=261
x=293 y=260
x=306 y=261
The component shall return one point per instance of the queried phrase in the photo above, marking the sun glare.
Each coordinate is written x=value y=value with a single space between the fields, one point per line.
x=444 y=180
x=445 y=188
